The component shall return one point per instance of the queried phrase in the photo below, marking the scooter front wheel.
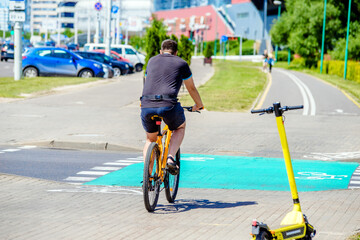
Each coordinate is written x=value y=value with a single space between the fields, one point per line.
x=263 y=235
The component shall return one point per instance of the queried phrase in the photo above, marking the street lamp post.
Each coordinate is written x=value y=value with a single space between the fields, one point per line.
x=347 y=40
x=323 y=39
x=279 y=12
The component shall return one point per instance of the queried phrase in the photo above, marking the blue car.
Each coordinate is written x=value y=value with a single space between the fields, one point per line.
x=58 y=61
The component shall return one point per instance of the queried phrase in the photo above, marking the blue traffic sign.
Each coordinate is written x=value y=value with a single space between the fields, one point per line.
x=224 y=38
x=121 y=36
x=98 y=6
x=114 y=9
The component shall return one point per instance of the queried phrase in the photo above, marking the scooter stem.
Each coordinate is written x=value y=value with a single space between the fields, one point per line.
x=285 y=148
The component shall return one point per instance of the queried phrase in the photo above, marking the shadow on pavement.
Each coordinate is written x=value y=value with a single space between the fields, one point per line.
x=185 y=205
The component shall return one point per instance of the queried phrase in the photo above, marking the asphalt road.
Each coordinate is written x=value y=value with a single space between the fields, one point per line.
x=7 y=68
x=318 y=97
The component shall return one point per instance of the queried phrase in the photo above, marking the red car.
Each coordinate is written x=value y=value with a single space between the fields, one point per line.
x=114 y=55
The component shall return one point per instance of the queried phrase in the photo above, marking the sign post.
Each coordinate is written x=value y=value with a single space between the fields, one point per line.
x=17 y=15
x=98 y=7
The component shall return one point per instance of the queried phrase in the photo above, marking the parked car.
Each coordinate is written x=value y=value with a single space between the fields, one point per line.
x=58 y=61
x=120 y=68
x=7 y=51
x=117 y=57
x=73 y=47
x=126 y=51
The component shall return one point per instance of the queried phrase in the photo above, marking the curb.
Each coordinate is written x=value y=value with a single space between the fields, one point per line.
x=84 y=146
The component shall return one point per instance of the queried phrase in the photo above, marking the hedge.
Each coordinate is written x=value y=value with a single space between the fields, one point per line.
x=336 y=67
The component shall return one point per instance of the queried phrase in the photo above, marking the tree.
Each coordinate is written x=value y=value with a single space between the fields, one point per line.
x=209 y=50
x=155 y=34
x=300 y=27
x=185 y=49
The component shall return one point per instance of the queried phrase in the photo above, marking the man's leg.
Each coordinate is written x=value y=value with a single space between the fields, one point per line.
x=176 y=140
x=150 y=137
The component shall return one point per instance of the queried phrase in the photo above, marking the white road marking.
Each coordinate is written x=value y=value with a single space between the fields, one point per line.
x=117 y=164
x=305 y=92
x=339 y=110
x=355 y=178
x=355 y=182
x=11 y=150
x=27 y=147
x=79 y=179
x=333 y=156
x=140 y=158
x=106 y=168
x=128 y=161
x=109 y=189
x=97 y=173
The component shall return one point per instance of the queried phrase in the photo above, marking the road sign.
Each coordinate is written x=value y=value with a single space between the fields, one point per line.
x=17 y=5
x=121 y=36
x=224 y=38
x=98 y=6
x=114 y=9
x=17 y=16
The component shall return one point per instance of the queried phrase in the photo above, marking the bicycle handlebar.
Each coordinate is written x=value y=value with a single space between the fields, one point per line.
x=190 y=109
x=271 y=109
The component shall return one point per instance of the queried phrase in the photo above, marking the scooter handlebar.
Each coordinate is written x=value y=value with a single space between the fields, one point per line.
x=271 y=109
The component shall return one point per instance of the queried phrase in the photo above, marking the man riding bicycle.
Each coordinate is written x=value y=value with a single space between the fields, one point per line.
x=164 y=75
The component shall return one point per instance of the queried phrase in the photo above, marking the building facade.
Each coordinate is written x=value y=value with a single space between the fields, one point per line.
x=237 y=18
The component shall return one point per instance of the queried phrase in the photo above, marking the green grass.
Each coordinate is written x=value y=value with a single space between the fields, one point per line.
x=14 y=89
x=234 y=87
x=355 y=237
x=350 y=87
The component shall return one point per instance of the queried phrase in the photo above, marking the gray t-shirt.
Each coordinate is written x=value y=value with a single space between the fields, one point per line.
x=164 y=76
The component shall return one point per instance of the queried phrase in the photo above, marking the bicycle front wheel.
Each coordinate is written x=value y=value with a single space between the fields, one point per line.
x=151 y=180
x=172 y=181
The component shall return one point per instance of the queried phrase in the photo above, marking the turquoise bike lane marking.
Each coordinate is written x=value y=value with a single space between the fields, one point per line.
x=235 y=172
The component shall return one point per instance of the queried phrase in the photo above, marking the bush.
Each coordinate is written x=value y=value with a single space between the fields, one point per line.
x=283 y=56
x=298 y=63
x=336 y=67
x=209 y=50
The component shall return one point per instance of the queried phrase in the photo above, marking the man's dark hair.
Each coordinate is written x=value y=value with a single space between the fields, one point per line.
x=169 y=45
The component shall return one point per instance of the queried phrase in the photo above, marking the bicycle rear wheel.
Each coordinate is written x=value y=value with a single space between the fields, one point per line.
x=172 y=182
x=151 y=181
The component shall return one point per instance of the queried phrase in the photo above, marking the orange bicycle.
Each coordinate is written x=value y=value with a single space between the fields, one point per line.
x=155 y=173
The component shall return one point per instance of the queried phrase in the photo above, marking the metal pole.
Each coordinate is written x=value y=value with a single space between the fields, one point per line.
x=88 y=28
x=117 y=25
x=289 y=56
x=58 y=28
x=108 y=29
x=76 y=28
x=216 y=32
x=347 y=40
x=97 y=31
x=17 y=51
x=265 y=18
x=240 y=47
x=276 y=47
x=323 y=39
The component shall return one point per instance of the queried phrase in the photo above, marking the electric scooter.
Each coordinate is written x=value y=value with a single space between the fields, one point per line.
x=296 y=223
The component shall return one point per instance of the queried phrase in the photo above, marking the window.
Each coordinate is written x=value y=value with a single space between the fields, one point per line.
x=96 y=57
x=67 y=4
x=67 y=14
x=61 y=54
x=99 y=47
x=242 y=15
x=129 y=51
x=43 y=53
x=118 y=50
x=67 y=25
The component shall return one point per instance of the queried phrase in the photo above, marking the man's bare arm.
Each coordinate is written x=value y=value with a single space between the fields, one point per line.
x=190 y=86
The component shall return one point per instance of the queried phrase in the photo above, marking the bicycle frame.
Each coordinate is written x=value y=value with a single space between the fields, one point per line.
x=164 y=149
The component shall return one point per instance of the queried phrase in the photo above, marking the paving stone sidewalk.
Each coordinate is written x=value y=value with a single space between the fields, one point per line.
x=33 y=209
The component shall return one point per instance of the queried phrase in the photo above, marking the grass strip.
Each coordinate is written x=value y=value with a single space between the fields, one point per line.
x=14 y=89
x=352 y=88
x=234 y=87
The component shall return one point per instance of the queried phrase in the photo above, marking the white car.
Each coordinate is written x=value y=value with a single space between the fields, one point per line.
x=126 y=51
